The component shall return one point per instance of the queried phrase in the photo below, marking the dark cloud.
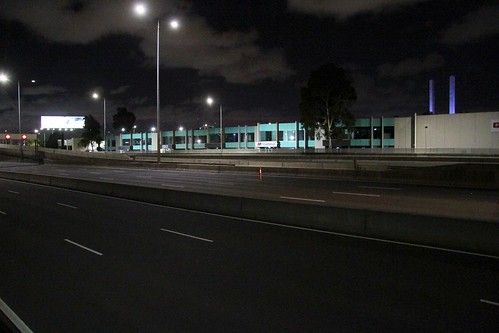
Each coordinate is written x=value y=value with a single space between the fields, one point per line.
x=43 y=90
x=120 y=90
x=231 y=54
x=411 y=66
x=475 y=25
x=345 y=8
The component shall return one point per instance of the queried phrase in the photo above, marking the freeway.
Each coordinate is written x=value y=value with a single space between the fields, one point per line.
x=462 y=203
x=77 y=262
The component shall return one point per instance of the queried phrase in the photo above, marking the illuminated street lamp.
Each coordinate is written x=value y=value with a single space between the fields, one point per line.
x=141 y=10
x=210 y=101
x=96 y=96
x=4 y=78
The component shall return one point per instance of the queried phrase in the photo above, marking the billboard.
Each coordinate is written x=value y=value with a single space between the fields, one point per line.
x=63 y=122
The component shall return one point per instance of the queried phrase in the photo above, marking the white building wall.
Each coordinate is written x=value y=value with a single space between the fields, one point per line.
x=403 y=132
x=466 y=130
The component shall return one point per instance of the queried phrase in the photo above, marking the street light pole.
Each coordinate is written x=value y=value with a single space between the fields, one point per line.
x=221 y=131
x=105 y=129
x=19 y=103
x=96 y=96
x=141 y=10
x=158 y=128
x=5 y=78
x=210 y=101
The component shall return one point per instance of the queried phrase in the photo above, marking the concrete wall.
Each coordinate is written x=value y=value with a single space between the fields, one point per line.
x=448 y=131
x=403 y=132
x=466 y=131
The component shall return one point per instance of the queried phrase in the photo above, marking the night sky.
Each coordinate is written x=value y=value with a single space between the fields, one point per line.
x=252 y=56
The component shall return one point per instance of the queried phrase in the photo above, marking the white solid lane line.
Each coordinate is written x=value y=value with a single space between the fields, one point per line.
x=186 y=235
x=83 y=247
x=358 y=194
x=171 y=185
x=381 y=188
x=489 y=302
x=20 y=325
x=68 y=206
x=302 y=199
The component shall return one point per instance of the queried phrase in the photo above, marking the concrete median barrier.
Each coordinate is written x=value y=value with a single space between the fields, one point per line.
x=464 y=235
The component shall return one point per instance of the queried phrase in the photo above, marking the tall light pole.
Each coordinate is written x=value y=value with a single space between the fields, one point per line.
x=4 y=78
x=210 y=101
x=96 y=96
x=141 y=10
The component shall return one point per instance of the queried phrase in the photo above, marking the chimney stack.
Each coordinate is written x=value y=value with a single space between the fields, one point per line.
x=452 y=94
x=432 y=97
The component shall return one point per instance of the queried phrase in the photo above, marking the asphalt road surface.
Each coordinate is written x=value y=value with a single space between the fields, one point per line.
x=462 y=203
x=76 y=262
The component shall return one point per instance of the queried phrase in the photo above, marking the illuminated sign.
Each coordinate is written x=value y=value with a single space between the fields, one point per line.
x=266 y=144
x=494 y=125
x=62 y=122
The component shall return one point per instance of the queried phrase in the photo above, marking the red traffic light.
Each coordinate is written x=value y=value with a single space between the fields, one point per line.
x=24 y=137
x=7 y=136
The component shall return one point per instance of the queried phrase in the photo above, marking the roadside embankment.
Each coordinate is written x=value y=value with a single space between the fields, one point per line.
x=464 y=235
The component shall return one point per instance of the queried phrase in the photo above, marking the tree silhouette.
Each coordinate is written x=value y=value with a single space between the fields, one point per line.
x=124 y=119
x=324 y=103
x=53 y=140
x=91 y=132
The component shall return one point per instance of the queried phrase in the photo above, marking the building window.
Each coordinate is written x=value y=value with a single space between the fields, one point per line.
x=231 y=137
x=214 y=137
x=289 y=135
x=267 y=136
x=361 y=133
x=389 y=132
x=200 y=139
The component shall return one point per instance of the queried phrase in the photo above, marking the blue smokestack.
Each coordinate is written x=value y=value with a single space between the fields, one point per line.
x=452 y=94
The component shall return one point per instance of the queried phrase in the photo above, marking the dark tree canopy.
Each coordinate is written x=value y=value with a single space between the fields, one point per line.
x=123 y=119
x=53 y=140
x=325 y=101
x=91 y=132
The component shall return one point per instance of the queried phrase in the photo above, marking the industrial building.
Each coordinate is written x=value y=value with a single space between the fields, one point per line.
x=478 y=131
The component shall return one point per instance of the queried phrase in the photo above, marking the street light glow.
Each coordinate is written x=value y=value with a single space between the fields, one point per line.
x=209 y=100
x=95 y=95
x=140 y=9
x=4 y=78
x=174 y=24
